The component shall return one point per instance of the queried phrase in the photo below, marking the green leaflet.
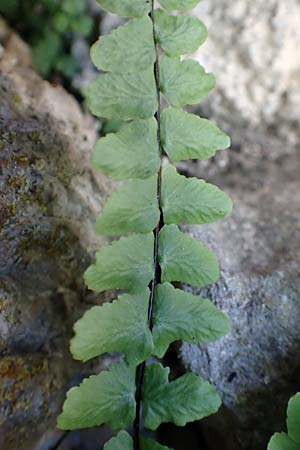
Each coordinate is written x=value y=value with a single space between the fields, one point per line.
x=281 y=441
x=123 y=95
x=191 y=200
x=179 y=315
x=132 y=208
x=130 y=153
x=183 y=259
x=184 y=400
x=126 y=8
x=290 y=441
x=125 y=264
x=178 y=35
x=149 y=444
x=108 y=397
x=129 y=48
x=186 y=136
x=120 y=326
x=181 y=5
x=111 y=126
x=293 y=418
x=127 y=95
x=184 y=82
x=123 y=441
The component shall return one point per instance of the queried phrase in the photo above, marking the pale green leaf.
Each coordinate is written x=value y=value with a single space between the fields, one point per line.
x=132 y=208
x=126 y=8
x=179 y=315
x=123 y=95
x=281 y=441
x=184 y=259
x=120 y=326
x=184 y=82
x=130 y=153
x=187 y=136
x=149 y=444
x=191 y=200
x=111 y=126
x=178 y=35
x=184 y=400
x=293 y=418
x=123 y=441
x=105 y=398
x=125 y=264
x=181 y=5
x=128 y=48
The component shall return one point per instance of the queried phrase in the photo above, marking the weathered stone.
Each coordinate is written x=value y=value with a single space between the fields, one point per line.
x=256 y=367
x=49 y=198
x=252 y=49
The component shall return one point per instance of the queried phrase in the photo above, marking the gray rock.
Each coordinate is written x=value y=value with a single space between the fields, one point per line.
x=252 y=49
x=49 y=198
x=256 y=367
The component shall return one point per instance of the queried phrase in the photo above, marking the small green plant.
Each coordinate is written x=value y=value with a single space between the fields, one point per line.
x=47 y=26
x=291 y=439
x=146 y=84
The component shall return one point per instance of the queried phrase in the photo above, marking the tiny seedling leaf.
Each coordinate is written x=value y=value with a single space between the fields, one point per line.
x=293 y=418
x=281 y=441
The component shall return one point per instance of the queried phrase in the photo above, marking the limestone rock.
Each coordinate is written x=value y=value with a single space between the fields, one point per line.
x=49 y=198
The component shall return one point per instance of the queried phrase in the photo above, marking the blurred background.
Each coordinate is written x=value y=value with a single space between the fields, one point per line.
x=49 y=198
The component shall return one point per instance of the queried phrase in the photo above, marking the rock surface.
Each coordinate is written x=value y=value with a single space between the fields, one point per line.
x=48 y=201
x=47 y=221
x=256 y=367
x=253 y=48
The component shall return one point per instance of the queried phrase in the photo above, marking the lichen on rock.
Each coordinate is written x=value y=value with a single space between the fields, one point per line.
x=49 y=198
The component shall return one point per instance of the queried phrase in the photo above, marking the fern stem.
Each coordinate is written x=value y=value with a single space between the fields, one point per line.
x=140 y=372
